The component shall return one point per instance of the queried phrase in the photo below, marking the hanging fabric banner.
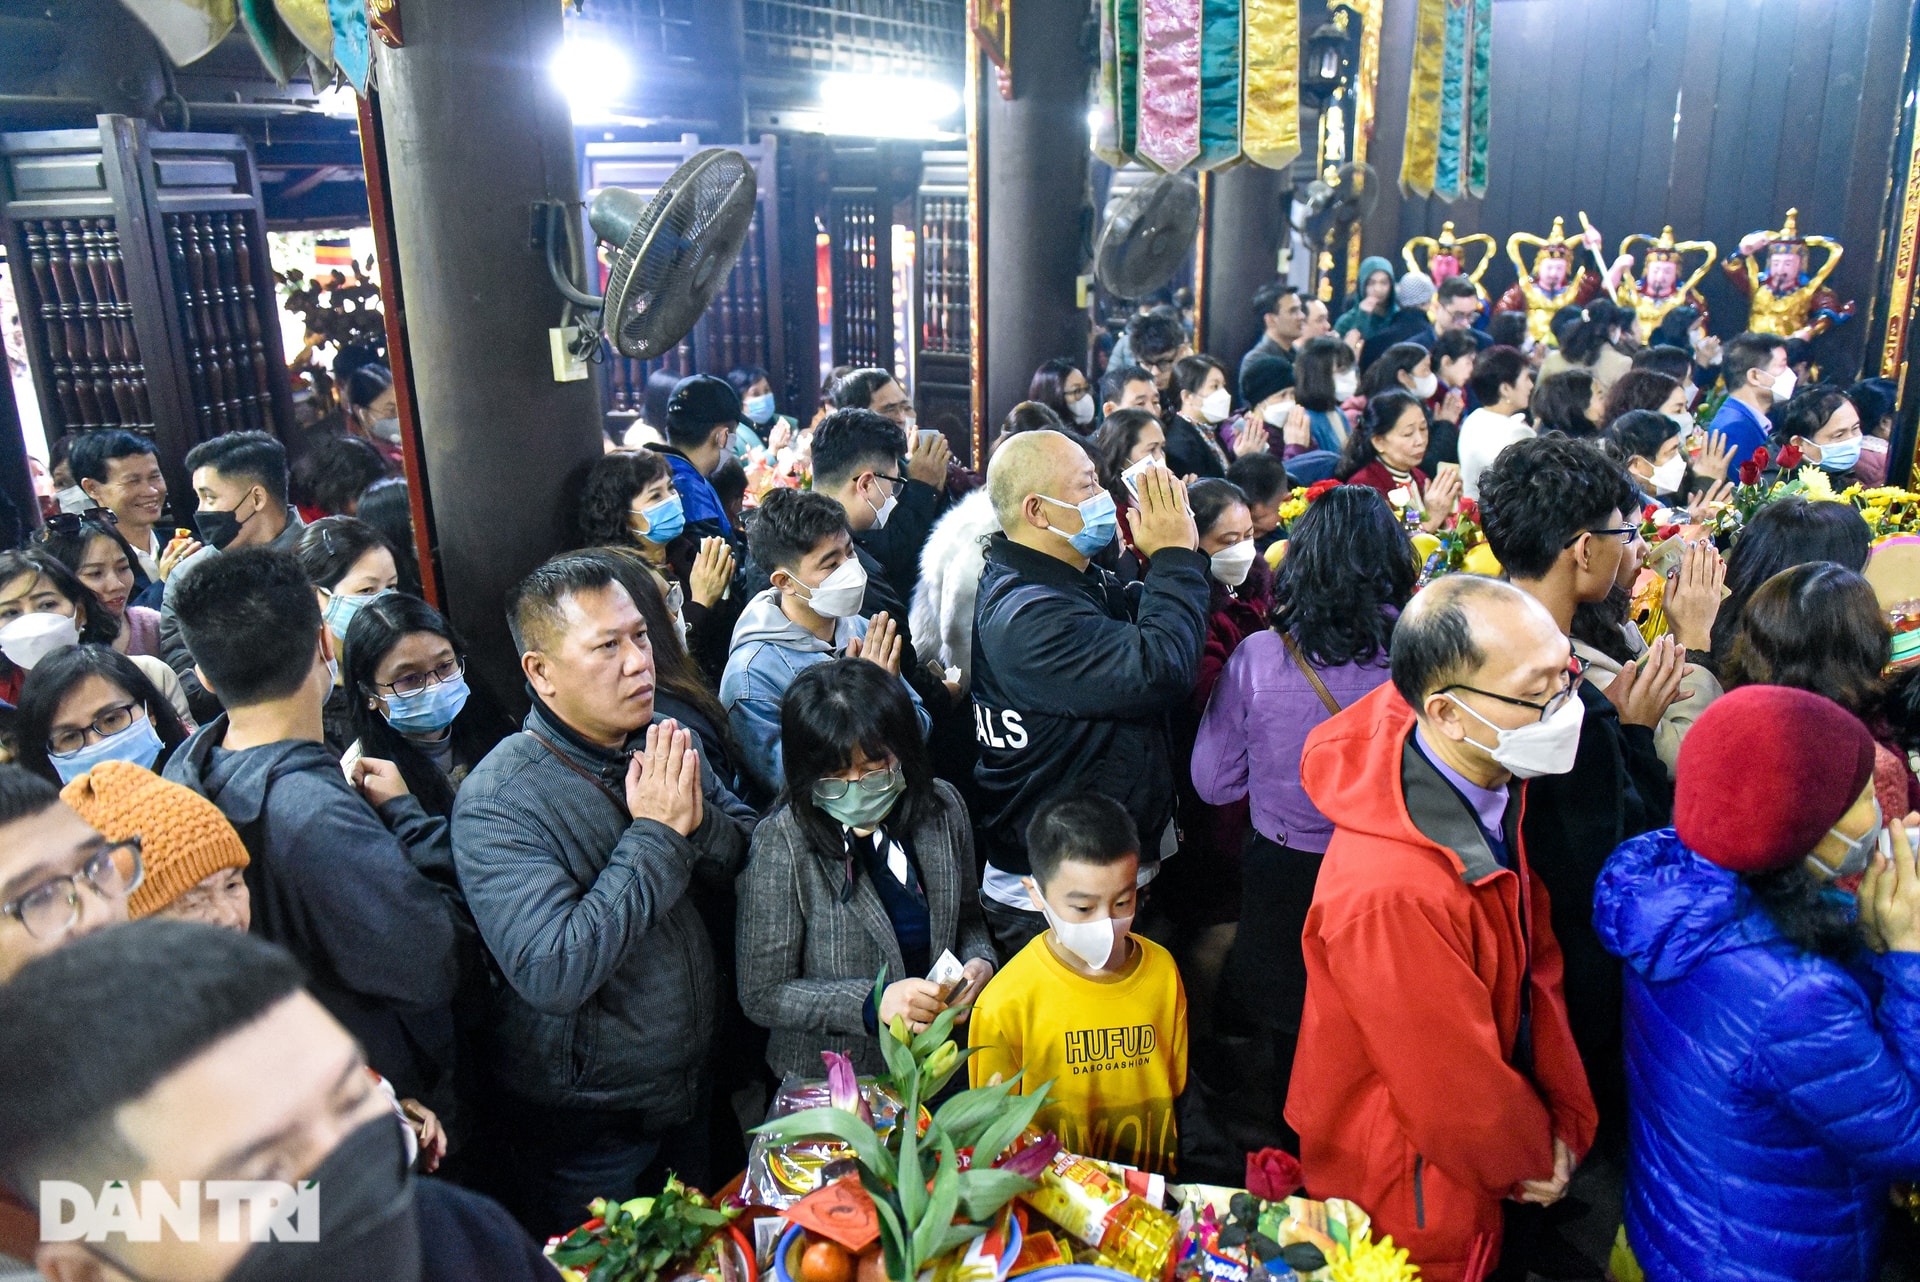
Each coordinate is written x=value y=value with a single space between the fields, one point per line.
x=1453 y=92
x=1270 y=94
x=1106 y=97
x=1219 y=83
x=1169 y=84
x=1418 y=159
x=187 y=29
x=1126 y=44
x=311 y=26
x=350 y=52
x=1479 y=99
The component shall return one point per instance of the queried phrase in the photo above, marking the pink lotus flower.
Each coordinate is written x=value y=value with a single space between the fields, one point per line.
x=843 y=1086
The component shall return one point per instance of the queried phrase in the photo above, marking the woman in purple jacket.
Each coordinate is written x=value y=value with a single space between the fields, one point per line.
x=1349 y=569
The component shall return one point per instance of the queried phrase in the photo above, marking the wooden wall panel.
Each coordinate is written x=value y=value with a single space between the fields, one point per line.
x=1712 y=115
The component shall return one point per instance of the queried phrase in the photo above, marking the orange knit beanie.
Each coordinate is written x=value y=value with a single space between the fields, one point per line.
x=183 y=837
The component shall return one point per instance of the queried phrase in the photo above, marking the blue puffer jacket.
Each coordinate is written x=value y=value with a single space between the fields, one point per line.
x=1772 y=1097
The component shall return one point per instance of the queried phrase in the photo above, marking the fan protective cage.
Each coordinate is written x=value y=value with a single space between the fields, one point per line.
x=1148 y=237
x=672 y=259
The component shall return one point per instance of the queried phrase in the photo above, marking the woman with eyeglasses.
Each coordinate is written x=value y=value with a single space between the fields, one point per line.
x=90 y=545
x=61 y=878
x=867 y=862
x=88 y=704
x=45 y=608
x=407 y=700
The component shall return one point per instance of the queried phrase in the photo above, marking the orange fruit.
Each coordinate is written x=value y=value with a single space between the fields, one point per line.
x=826 y=1262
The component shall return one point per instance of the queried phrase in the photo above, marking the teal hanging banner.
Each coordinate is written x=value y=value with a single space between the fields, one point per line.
x=1479 y=112
x=1219 y=83
x=1126 y=40
x=1447 y=178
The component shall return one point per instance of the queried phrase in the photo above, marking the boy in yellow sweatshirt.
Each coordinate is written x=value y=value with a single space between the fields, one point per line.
x=1096 y=1010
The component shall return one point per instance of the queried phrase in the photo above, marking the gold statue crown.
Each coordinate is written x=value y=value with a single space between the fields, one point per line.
x=1789 y=233
x=1556 y=244
x=1665 y=248
x=1448 y=243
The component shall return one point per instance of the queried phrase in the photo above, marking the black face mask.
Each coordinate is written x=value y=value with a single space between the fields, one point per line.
x=217 y=529
x=368 y=1225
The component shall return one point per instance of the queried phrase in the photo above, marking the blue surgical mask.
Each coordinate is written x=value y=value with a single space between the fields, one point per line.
x=1841 y=455
x=758 y=409
x=342 y=606
x=427 y=711
x=139 y=743
x=664 y=519
x=1098 y=522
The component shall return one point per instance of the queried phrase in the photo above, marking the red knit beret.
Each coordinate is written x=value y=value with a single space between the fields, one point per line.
x=1764 y=773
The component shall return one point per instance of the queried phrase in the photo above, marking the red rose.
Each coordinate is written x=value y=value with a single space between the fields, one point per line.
x=1273 y=1174
x=1667 y=532
x=1762 y=457
x=1750 y=471
x=1790 y=457
x=1469 y=510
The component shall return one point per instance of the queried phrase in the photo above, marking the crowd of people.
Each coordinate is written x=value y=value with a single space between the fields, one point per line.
x=1152 y=741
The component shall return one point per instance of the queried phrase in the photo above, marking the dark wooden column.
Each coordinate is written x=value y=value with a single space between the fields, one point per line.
x=1246 y=225
x=1035 y=188
x=475 y=133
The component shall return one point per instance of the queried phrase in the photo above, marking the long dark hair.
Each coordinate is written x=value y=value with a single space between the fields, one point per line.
x=1585 y=337
x=100 y=627
x=1803 y=910
x=57 y=674
x=1673 y=328
x=387 y=507
x=1313 y=373
x=1384 y=374
x=830 y=709
x=606 y=497
x=1639 y=389
x=1560 y=403
x=1347 y=575
x=1814 y=627
x=1787 y=532
x=1382 y=413
x=330 y=548
x=1119 y=432
x=68 y=545
x=380 y=625
x=674 y=671
x=1049 y=386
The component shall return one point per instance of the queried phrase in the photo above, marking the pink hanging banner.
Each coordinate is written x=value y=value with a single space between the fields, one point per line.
x=1169 y=137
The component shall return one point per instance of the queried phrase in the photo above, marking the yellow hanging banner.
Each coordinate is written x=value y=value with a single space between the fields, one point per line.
x=1270 y=94
x=1422 y=151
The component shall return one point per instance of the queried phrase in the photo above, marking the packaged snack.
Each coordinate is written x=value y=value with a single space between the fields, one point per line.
x=1128 y=1233
x=780 y=1173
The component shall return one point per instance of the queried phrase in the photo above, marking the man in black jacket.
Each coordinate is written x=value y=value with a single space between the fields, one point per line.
x=173 y=1056
x=1074 y=675
x=922 y=494
x=1562 y=519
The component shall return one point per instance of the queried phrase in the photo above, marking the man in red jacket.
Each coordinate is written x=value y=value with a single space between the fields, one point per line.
x=1436 y=1075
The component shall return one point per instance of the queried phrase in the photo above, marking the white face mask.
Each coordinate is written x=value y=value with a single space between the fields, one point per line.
x=1232 y=563
x=1667 y=476
x=1425 y=385
x=1216 y=405
x=32 y=637
x=839 y=594
x=1783 y=384
x=1093 y=942
x=885 y=510
x=1277 y=413
x=1684 y=421
x=1345 y=384
x=1541 y=748
x=1083 y=408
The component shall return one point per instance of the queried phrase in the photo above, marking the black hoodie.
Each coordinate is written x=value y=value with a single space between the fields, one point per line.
x=347 y=891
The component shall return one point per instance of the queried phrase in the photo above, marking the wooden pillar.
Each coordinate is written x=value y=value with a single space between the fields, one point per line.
x=475 y=134
x=1035 y=187
x=1246 y=224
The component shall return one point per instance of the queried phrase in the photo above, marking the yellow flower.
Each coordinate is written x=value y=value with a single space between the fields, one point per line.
x=1367 y=1261
x=1814 y=485
x=1290 y=510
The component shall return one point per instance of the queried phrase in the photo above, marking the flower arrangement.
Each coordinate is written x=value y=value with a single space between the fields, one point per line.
x=938 y=1189
x=1298 y=501
x=1370 y=1261
x=1887 y=509
x=1458 y=545
x=638 y=1240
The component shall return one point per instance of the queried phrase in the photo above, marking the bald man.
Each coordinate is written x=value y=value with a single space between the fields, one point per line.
x=1436 y=1076
x=1074 y=674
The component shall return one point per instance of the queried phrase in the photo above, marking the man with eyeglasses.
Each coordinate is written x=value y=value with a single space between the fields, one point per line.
x=1562 y=518
x=59 y=881
x=922 y=466
x=1435 y=1080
